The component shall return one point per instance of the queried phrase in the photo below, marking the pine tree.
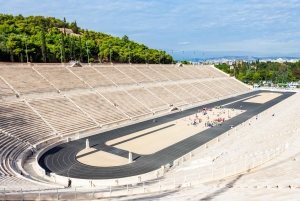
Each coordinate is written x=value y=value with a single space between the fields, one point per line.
x=43 y=47
x=21 y=57
x=63 y=47
x=75 y=28
x=87 y=34
x=12 y=59
x=80 y=49
x=74 y=47
x=71 y=47
x=65 y=26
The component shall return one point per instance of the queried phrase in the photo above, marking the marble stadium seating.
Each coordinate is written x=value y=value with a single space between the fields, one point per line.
x=41 y=102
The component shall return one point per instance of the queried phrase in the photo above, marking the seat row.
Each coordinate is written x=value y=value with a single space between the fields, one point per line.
x=83 y=111
x=43 y=80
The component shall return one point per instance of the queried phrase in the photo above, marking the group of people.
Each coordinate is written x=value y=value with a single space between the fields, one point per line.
x=196 y=121
x=208 y=122
x=216 y=122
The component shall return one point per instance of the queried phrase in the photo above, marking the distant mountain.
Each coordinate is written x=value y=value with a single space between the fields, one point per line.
x=245 y=58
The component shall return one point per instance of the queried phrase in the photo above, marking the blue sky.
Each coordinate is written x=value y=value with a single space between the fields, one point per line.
x=215 y=27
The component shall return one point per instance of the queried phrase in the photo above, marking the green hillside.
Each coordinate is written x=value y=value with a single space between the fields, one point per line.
x=49 y=39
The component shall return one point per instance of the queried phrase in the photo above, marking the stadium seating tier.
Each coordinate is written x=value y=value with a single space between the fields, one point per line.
x=92 y=77
x=25 y=80
x=27 y=120
x=98 y=108
x=61 y=78
x=5 y=90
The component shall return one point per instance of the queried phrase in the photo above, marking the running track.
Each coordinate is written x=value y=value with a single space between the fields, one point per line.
x=62 y=158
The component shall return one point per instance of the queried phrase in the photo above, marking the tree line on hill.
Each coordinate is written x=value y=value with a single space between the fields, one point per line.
x=274 y=72
x=48 y=39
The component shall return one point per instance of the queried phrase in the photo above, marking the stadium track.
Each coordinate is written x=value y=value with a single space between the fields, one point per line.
x=62 y=158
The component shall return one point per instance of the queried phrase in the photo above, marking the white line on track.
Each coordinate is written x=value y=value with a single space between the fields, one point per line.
x=240 y=99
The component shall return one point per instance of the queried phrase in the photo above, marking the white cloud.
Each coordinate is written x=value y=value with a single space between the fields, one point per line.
x=183 y=43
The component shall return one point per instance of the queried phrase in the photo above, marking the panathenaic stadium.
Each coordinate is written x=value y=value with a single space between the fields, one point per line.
x=144 y=132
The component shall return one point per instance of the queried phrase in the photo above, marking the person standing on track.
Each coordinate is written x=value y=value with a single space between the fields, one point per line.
x=69 y=183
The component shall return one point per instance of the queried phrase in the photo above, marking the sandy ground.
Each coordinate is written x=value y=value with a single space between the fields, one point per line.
x=178 y=131
x=100 y=158
x=263 y=98
x=154 y=139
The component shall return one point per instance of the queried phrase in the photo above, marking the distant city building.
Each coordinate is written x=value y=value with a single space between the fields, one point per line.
x=240 y=61
x=279 y=60
x=237 y=62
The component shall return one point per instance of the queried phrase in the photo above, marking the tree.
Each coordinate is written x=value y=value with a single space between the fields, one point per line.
x=241 y=76
x=125 y=39
x=63 y=47
x=296 y=73
x=4 y=51
x=263 y=74
x=256 y=77
x=74 y=27
x=65 y=26
x=43 y=48
x=185 y=62
x=249 y=76
x=80 y=49
x=47 y=37
x=14 y=44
